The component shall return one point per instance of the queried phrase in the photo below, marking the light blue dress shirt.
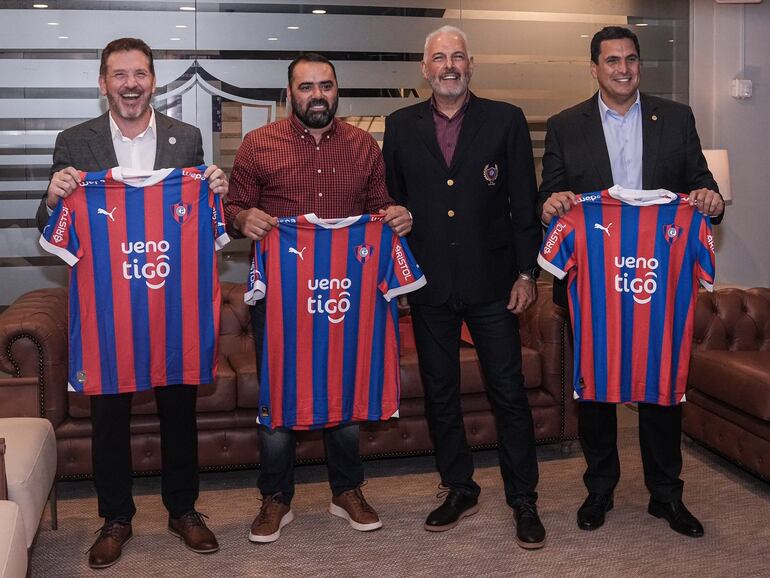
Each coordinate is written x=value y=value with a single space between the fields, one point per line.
x=623 y=135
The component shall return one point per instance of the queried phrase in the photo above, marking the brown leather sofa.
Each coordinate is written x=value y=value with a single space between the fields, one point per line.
x=728 y=391
x=33 y=364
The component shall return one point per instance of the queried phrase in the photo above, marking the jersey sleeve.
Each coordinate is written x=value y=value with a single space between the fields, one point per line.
x=403 y=274
x=705 y=268
x=60 y=234
x=255 y=288
x=221 y=238
x=557 y=253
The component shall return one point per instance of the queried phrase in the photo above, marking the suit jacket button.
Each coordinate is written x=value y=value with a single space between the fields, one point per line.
x=450 y=213
x=450 y=182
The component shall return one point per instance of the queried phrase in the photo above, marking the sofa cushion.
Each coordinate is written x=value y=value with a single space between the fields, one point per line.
x=738 y=378
x=245 y=365
x=13 y=551
x=219 y=396
x=30 y=461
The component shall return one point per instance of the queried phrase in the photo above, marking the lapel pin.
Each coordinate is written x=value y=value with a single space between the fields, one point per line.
x=654 y=117
x=172 y=140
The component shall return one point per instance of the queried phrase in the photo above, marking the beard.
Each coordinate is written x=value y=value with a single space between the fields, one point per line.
x=315 y=118
x=460 y=88
x=131 y=110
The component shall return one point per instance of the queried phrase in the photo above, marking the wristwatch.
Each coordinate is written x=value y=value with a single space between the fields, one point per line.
x=530 y=274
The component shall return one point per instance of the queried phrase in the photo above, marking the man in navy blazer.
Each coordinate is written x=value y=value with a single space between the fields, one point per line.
x=132 y=134
x=622 y=136
x=463 y=167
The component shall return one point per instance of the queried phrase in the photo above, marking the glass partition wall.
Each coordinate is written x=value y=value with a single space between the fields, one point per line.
x=221 y=65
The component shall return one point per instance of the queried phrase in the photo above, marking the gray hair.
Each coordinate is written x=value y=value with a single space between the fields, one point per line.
x=444 y=30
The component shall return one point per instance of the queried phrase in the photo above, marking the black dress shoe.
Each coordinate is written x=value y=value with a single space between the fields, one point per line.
x=678 y=517
x=530 y=533
x=456 y=507
x=590 y=516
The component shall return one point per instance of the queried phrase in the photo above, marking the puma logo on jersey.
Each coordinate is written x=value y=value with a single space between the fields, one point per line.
x=299 y=253
x=106 y=212
x=605 y=229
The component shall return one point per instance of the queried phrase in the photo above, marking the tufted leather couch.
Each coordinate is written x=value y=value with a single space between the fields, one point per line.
x=33 y=364
x=728 y=391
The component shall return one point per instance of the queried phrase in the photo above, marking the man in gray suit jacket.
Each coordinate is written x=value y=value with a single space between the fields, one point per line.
x=621 y=136
x=131 y=134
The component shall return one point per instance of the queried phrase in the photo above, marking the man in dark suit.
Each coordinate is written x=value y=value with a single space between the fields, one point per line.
x=133 y=135
x=463 y=167
x=621 y=136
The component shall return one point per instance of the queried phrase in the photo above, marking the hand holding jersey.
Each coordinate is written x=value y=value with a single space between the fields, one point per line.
x=255 y=223
x=64 y=182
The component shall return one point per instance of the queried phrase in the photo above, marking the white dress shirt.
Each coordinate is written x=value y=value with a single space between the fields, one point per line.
x=138 y=152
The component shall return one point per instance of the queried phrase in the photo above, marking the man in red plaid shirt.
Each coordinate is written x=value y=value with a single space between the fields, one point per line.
x=310 y=162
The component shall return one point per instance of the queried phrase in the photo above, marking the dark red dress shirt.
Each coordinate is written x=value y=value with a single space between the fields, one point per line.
x=280 y=169
x=448 y=129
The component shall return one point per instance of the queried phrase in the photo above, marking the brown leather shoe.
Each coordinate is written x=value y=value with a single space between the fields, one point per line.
x=109 y=545
x=353 y=507
x=192 y=530
x=273 y=515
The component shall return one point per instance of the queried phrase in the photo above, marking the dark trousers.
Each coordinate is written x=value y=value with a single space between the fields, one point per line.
x=111 y=451
x=660 y=431
x=277 y=446
x=277 y=453
x=495 y=333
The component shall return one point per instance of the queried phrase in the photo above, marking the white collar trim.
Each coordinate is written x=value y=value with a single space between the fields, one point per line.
x=331 y=223
x=139 y=177
x=642 y=198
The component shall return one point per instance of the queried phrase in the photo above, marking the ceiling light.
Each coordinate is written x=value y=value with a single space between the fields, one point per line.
x=175 y=39
x=642 y=24
x=40 y=6
x=63 y=37
x=319 y=11
x=187 y=8
x=584 y=36
x=292 y=28
x=272 y=38
x=181 y=26
x=53 y=24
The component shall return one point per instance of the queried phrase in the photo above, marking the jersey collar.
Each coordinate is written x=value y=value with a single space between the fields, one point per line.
x=642 y=198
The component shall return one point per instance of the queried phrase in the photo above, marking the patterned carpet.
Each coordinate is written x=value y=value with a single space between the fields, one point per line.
x=733 y=506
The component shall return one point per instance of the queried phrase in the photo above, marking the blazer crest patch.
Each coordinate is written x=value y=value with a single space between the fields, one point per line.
x=490 y=174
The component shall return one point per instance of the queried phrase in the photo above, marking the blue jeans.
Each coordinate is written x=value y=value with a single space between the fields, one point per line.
x=346 y=471
x=277 y=446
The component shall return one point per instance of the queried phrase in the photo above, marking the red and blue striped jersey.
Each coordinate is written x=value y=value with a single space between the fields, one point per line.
x=634 y=259
x=144 y=290
x=330 y=352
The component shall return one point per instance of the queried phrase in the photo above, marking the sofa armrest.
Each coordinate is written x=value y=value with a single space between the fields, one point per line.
x=3 y=478
x=542 y=328
x=733 y=319
x=33 y=346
